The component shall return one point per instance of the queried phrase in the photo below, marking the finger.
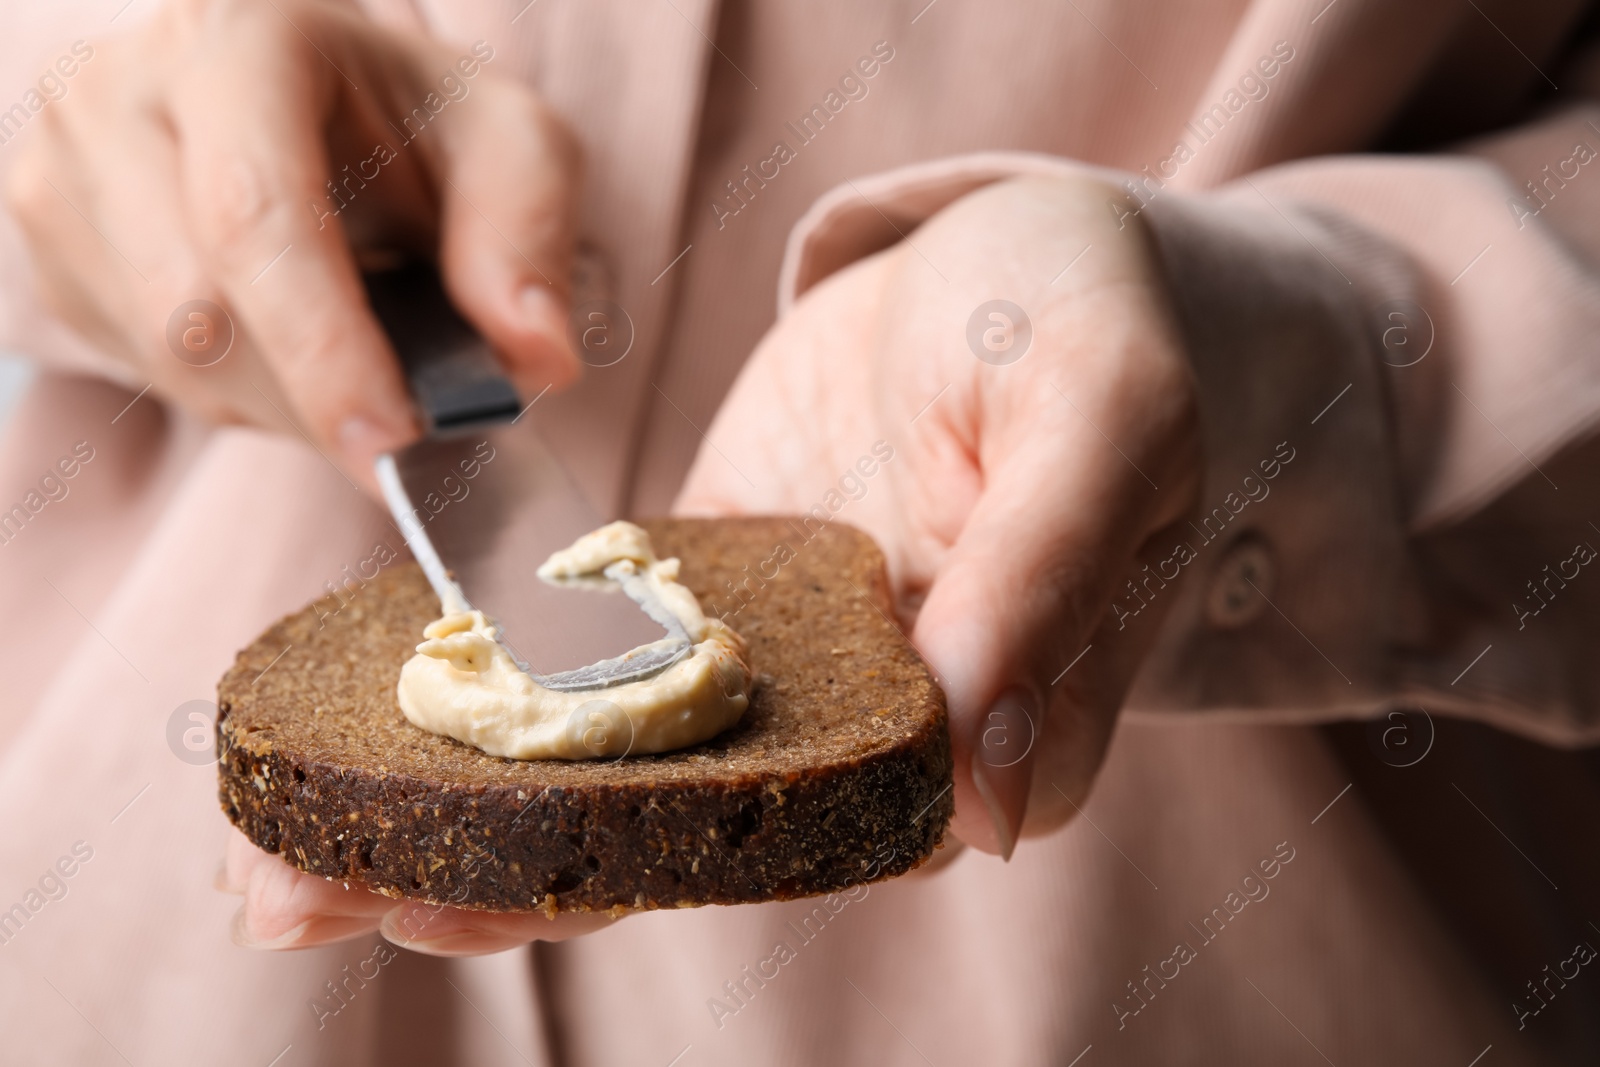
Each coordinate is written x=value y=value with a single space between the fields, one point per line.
x=285 y=908
x=253 y=165
x=437 y=930
x=149 y=281
x=508 y=172
x=1056 y=526
x=80 y=275
x=239 y=858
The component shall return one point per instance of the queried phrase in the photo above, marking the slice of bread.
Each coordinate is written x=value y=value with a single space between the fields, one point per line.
x=838 y=773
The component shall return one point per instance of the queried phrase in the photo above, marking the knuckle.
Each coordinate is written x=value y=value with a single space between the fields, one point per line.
x=234 y=209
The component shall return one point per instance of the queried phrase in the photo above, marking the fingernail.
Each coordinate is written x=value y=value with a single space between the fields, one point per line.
x=313 y=932
x=545 y=313
x=245 y=939
x=457 y=940
x=1002 y=765
x=362 y=439
x=461 y=943
x=543 y=309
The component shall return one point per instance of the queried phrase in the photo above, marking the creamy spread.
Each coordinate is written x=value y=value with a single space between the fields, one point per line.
x=465 y=684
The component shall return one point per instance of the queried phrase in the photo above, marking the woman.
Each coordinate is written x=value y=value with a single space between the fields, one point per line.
x=1203 y=434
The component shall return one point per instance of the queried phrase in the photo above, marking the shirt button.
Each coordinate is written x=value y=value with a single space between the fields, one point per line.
x=1242 y=584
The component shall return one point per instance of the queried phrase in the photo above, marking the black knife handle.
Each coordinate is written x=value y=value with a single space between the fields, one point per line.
x=454 y=377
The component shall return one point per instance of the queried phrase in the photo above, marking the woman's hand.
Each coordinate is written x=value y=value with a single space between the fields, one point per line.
x=284 y=909
x=256 y=156
x=252 y=155
x=1021 y=487
x=1027 y=472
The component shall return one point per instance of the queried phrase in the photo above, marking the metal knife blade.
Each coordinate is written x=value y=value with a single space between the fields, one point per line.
x=482 y=501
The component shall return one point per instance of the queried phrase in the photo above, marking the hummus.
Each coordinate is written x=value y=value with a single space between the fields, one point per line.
x=465 y=684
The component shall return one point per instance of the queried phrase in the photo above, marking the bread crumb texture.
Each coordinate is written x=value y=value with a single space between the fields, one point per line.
x=838 y=773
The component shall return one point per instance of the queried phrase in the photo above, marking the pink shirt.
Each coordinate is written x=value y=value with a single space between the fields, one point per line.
x=1415 y=509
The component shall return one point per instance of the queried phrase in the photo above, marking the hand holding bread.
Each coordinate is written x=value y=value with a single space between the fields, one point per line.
x=1023 y=485
x=1011 y=496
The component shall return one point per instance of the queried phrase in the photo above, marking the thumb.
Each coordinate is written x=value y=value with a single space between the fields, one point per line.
x=1016 y=602
x=508 y=185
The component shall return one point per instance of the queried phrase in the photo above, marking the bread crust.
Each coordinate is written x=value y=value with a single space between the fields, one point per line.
x=839 y=773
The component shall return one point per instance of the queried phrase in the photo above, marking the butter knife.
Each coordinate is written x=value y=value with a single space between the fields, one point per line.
x=482 y=502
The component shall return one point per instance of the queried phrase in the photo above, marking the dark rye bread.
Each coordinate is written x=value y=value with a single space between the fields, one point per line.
x=838 y=773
